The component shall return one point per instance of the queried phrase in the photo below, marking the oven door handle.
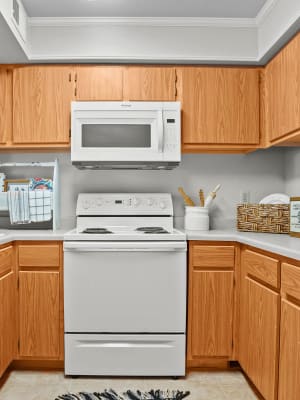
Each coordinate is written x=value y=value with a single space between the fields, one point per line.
x=160 y=131
x=81 y=246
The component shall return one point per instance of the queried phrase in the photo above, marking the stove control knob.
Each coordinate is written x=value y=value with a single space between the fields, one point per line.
x=150 y=202
x=99 y=202
x=86 y=204
x=136 y=202
x=162 y=205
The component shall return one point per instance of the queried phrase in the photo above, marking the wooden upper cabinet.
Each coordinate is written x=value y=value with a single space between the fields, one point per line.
x=99 y=83
x=149 y=84
x=5 y=105
x=42 y=98
x=281 y=93
x=219 y=105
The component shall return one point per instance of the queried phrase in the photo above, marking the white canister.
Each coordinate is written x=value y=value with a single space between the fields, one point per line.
x=196 y=219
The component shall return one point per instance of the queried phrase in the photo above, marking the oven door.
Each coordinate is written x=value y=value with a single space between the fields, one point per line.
x=117 y=135
x=125 y=287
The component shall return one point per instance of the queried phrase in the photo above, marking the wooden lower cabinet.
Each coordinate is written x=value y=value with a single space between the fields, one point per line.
x=259 y=327
x=210 y=314
x=8 y=321
x=40 y=301
x=289 y=361
x=39 y=314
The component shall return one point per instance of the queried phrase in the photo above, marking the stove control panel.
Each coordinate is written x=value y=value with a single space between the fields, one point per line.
x=124 y=204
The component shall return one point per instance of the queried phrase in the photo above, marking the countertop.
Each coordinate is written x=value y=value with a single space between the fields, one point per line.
x=281 y=244
x=9 y=235
x=284 y=245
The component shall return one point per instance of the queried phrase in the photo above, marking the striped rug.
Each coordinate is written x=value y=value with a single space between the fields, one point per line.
x=129 y=395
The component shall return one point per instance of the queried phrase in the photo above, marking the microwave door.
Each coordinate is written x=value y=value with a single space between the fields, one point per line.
x=132 y=137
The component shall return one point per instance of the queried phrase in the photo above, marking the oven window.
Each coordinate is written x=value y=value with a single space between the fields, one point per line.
x=107 y=135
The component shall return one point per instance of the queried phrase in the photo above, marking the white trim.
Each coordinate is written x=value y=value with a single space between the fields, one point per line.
x=142 y=21
x=265 y=11
x=152 y=58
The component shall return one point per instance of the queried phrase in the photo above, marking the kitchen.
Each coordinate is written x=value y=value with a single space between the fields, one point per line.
x=110 y=283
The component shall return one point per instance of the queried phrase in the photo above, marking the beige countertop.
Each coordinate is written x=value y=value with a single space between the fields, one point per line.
x=281 y=244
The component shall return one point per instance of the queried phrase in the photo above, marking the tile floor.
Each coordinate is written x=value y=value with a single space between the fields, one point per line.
x=28 y=385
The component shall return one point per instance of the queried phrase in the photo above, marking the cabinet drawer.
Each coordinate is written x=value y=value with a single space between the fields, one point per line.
x=262 y=267
x=6 y=260
x=39 y=255
x=290 y=280
x=213 y=256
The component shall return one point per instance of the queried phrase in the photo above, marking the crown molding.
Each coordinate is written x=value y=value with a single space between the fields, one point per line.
x=265 y=11
x=142 y=21
x=151 y=59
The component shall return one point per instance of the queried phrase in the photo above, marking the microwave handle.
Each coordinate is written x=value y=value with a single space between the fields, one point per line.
x=160 y=127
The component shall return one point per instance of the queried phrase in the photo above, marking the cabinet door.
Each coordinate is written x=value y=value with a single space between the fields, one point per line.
x=39 y=314
x=259 y=335
x=282 y=92
x=149 y=84
x=219 y=105
x=5 y=105
x=289 y=364
x=8 y=323
x=211 y=306
x=99 y=83
x=42 y=98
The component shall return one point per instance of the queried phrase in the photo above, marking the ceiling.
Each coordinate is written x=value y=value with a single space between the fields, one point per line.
x=144 y=8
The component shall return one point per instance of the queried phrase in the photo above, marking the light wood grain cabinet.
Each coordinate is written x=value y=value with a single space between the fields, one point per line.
x=42 y=98
x=210 y=304
x=39 y=314
x=220 y=106
x=149 y=84
x=259 y=323
x=40 y=301
x=8 y=308
x=99 y=83
x=289 y=361
x=5 y=105
x=114 y=83
x=281 y=95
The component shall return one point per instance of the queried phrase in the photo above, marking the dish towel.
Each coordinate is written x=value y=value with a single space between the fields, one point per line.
x=18 y=206
x=40 y=202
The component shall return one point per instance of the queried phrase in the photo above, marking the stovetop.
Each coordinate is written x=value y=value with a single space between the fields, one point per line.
x=127 y=233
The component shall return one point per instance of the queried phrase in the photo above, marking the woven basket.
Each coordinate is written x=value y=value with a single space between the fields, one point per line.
x=267 y=218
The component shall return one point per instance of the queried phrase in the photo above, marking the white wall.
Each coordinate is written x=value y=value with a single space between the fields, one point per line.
x=138 y=42
x=260 y=172
x=292 y=171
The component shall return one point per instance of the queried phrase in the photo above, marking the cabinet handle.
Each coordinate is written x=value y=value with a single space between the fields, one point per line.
x=70 y=77
x=76 y=77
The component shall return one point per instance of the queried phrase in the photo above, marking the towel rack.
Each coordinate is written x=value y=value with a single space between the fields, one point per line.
x=55 y=180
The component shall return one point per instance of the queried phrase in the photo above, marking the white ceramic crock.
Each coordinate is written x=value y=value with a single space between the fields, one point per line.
x=196 y=219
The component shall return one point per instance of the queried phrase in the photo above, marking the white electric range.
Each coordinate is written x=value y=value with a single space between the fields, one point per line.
x=125 y=287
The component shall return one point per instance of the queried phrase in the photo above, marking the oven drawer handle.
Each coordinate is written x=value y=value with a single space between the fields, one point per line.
x=124 y=344
x=126 y=247
x=112 y=249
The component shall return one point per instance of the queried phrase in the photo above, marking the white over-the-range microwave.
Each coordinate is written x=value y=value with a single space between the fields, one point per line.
x=125 y=135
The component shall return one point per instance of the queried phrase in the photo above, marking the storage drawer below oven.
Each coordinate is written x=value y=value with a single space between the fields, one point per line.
x=125 y=355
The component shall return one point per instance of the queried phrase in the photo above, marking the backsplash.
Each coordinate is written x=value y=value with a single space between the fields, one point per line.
x=292 y=171
x=260 y=173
